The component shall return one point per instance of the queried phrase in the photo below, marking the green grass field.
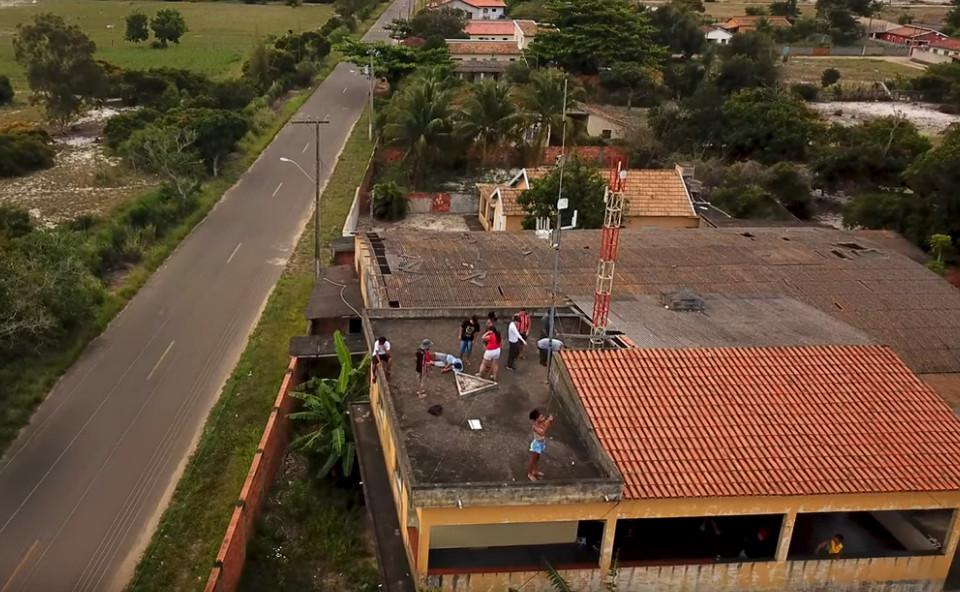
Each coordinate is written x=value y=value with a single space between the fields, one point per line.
x=220 y=35
x=852 y=70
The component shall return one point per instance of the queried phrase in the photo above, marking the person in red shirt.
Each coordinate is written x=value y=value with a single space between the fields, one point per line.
x=523 y=325
x=491 y=355
x=424 y=361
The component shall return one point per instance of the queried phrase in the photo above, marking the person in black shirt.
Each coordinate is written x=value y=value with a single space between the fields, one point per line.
x=468 y=332
x=424 y=361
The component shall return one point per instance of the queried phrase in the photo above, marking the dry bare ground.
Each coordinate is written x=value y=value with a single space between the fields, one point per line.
x=925 y=116
x=83 y=180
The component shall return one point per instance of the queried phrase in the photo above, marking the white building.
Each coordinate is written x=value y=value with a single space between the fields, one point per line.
x=478 y=9
x=718 y=35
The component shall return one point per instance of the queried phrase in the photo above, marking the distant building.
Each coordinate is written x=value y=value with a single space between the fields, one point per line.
x=477 y=9
x=910 y=35
x=939 y=51
x=872 y=26
x=476 y=60
x=653 y=197
x=521 y=32
x=717 y=35
x=740 y=24
x=609 y=121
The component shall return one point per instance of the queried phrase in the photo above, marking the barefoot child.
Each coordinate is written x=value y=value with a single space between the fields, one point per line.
x=541 y=423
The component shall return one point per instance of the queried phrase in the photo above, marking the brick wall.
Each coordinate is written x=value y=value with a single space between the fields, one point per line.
x=233 y=550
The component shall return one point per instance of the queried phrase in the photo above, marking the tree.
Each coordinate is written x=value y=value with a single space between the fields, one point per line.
x=748 y=61
x=168 y=26
x=393 y=62
x=389 y=202
x=790 y=185
x=6 y=90
x=953 y=19
x=137 y=29
x=592 y=34
x=940 y=245
x=767 y=126
x=488 y=118
x=60 y=68
x=695 y=126
x=678 y=28
x=419 y=120
x=583 y=187
x=326 y=408
x=936 y=176
x=871 y=155
x=169 y=152
x=542 y=99
x=829 y=76
x=756 y=10
x=24 y=151
x=907 y=214
x=217 y=132
x=445 y=21
x=629 y=76
x=787 y=8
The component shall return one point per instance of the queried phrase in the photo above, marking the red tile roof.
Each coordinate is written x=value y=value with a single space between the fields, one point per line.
x=911 y=31
x=767 y=421
x=485 y=3
x=948 y=43
x=488 y=27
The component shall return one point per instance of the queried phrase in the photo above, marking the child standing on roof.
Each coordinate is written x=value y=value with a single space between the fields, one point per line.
x=541 y=423
x=424 y=360
x=523 y=324
x=468 y=332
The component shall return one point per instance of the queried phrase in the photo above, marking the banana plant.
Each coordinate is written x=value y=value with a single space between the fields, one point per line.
x=325 y=407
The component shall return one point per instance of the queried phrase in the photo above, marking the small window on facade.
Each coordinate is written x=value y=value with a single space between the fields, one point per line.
x=606 y=134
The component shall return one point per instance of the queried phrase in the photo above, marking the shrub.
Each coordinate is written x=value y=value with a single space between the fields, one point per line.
x=119 y=127
x=390 y=202
x=6 y=91
x=790 y=185
x=14 y=222
x=829 y=76
x=806 y=91
x=22 y=152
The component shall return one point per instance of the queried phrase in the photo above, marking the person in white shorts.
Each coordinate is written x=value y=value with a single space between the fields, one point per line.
x=491 y=354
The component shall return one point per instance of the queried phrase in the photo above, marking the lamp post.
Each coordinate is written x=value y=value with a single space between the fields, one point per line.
x=316 y=123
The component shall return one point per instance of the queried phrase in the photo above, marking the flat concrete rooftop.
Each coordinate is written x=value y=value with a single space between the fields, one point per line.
x=444 y=450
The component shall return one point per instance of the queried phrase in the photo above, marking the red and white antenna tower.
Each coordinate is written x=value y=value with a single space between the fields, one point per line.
x=609 y=250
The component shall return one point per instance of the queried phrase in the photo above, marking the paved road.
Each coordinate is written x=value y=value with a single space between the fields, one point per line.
x=82 y=487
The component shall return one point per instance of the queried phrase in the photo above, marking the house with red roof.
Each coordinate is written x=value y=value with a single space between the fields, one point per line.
x=939 y=51
x=521 y=32
x=914 y=35
x=766 y=410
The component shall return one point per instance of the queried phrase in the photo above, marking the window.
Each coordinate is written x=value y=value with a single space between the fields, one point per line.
x=606 y=134
x=870 y=534
x=703 y=539
x=515 y=546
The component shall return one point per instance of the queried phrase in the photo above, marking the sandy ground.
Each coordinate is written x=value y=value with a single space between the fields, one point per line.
x=83 y=179
x=437 y=222
x=925 y=116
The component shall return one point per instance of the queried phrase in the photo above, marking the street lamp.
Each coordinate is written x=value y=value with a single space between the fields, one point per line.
x=316 y=183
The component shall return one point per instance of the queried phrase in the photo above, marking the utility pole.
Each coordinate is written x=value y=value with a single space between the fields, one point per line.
x=316 y=123
x=561 y=205
x=370 y=119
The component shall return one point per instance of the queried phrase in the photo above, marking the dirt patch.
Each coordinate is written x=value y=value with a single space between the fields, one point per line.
x=84 y=180
x=923 y=115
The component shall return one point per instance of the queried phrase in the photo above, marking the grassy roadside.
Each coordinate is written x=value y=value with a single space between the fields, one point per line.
x=186 y=541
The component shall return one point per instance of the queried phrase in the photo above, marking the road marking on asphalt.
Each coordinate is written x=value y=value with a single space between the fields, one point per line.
x=234 y=252
x=164 y=355
x=277 y=190
x=20 y=566
x=305 y=146
x=344 y=91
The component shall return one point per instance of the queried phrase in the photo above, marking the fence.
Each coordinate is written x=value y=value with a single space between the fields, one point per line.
x=864 y=51
x=361 y=197
x=233 y=551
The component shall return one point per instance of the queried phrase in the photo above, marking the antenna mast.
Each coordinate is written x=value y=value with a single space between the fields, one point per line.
x=609 y=250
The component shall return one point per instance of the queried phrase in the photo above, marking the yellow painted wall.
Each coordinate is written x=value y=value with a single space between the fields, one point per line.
x=502 y=535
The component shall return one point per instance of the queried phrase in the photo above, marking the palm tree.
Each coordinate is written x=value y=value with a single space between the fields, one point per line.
x=420 y=120
x=489 y=117
x=542 y=99
x=325 y=403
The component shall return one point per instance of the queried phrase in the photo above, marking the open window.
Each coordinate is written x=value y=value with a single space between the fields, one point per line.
x=702 y=539
x=892 y=533
x=515 y=546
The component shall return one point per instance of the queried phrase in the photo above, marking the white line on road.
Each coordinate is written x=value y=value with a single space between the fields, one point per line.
x=20 y=566
x=234 y=252
x=162 y=356
x=277 y=190
x=344 y=91
x=305 y=146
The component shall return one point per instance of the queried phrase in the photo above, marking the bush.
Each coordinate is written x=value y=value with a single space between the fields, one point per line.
x=14 y=222
x=829 y=76
x=790 y=185
x=806 y=91
x=23 y=152
x=909 y=214
x=119 y=127
x=6 y=91
x=390 y=202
